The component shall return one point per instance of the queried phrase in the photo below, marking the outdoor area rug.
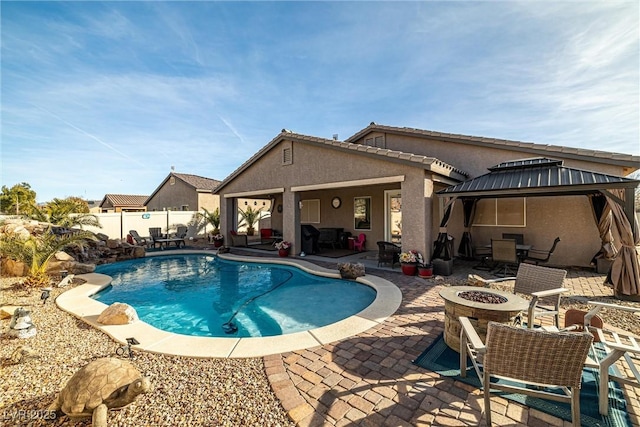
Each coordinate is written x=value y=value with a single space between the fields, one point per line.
x=335 y=253
x=441 y=359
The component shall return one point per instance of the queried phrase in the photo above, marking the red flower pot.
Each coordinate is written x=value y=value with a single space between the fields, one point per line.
x=283 y=252
x=217 y=243
x=425 y=272
x=409 y=269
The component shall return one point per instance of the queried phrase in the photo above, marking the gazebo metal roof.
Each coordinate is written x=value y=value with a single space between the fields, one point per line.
x=536 y=177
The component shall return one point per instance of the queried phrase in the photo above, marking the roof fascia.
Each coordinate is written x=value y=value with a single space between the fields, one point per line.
x=524 y=147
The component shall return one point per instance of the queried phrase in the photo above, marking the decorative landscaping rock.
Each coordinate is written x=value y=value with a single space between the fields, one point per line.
x=21 y=325
x=351 y=270
x=107 y=383
x=20 y=354
x=7 y=311
x=118 y=313
x=475 y=280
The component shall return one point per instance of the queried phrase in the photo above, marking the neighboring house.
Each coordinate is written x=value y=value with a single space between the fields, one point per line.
x=383 y=182
x=122 y=203
x=184 y=192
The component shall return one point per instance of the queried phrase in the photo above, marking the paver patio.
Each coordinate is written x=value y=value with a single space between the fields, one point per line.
x=370 y=380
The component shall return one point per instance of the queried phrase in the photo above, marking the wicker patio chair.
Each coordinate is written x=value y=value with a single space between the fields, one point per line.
x=388 y=253
x=544 y=286
x=528 y=356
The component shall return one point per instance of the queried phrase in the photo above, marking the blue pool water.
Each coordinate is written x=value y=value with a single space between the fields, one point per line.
x=199 y=294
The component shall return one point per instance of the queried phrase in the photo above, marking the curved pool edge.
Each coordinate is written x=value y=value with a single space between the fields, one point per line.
x=78 y=302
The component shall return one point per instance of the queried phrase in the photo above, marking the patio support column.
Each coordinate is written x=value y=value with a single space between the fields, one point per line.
x=227 y=218
x=291 y=220
x=417 y=217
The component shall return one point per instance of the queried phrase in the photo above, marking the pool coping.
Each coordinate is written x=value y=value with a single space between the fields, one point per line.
x=78 y=302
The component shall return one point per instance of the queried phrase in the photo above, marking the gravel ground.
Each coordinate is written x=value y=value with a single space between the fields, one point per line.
x=187 y=392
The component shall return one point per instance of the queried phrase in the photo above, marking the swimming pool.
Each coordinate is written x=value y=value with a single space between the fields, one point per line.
x=203 y=295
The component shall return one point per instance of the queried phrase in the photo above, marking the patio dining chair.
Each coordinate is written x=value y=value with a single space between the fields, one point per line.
x=526 y=357
x=536 y=256
x=504 y=255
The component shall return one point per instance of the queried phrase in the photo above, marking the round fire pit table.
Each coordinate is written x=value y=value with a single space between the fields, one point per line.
x=480 y=305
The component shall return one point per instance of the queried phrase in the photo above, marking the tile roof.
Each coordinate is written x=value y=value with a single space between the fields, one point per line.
x=428 y=163
x=198 y=182
x=124 y=199
x=539 y=149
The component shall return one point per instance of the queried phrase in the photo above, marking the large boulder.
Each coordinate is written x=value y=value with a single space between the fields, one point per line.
x=351 y=270
x=118 y=313
x=14 y=268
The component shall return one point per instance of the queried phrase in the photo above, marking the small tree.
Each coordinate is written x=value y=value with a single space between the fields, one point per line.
x=37 y=250
x=70 y=212
x=212 y=218
x=17 y=200
x=249 y=217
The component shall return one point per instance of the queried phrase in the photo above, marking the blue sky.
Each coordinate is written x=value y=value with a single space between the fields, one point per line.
x=104 y=97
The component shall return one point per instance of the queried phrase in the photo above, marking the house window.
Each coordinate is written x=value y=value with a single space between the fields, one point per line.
x=362 y=213
x=172 y=181
x=310 y=211
x=507 y=212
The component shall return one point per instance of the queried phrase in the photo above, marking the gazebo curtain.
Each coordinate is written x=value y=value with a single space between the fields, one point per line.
x=625 y=270
x=465 y=249
x=443 y=246
x=604 y=221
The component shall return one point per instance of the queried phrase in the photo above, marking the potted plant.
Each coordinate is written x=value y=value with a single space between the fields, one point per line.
x=425 y=270
x=409 y=262
x=249 y=217
x=218 y=240
x=283 y=248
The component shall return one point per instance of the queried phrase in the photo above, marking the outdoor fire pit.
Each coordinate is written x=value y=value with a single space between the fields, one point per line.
x=480 y=306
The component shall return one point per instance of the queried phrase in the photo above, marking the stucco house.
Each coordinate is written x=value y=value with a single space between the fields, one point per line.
x=184 y=192
x=388 y=183
x=122 y=203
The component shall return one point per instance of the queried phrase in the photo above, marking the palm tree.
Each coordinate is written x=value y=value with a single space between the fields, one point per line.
x=212 y=218
x=249 y=217
x=64 y=213
x=37 y=250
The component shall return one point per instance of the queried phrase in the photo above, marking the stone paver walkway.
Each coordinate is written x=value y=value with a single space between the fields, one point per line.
x=370 y=380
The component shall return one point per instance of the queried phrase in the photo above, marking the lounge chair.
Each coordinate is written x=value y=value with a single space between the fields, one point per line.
x=140 y=241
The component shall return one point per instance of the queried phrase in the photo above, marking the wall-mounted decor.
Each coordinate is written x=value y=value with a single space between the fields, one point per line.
x=336 y=202
x=279 y=208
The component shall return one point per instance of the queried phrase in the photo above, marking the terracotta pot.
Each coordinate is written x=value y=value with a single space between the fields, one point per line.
x=425 y=272
x=217 y=243
x=283 y=252
x=409 y=268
